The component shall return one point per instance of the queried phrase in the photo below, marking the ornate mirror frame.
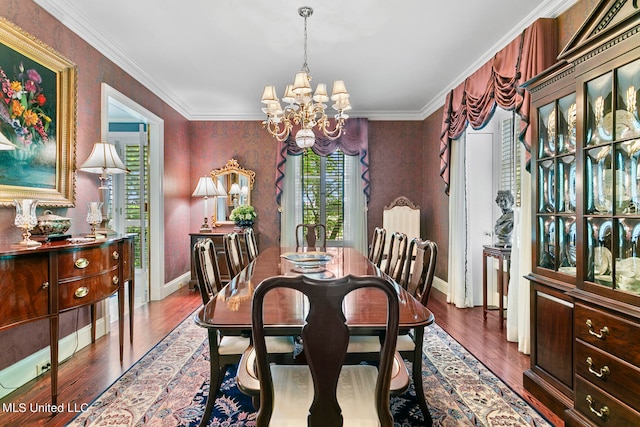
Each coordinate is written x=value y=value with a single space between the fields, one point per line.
x=236 y=195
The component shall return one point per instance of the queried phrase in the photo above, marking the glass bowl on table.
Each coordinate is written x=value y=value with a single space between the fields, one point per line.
x=308 y=262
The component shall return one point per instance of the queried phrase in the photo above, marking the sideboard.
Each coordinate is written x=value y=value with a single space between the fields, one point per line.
x=42 y=282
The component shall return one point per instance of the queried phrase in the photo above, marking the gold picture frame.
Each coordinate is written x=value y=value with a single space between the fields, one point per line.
x=37 y=121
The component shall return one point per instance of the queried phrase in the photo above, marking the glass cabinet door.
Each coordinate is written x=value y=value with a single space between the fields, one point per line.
x=612 y=184
x=556 y=176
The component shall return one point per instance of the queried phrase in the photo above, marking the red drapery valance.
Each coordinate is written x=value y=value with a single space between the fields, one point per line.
x=497 y=83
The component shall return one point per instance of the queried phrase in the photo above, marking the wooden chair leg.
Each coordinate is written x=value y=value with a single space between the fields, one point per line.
x=214 y=377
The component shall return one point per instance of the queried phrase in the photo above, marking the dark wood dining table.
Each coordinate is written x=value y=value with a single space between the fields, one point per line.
x=285 y=310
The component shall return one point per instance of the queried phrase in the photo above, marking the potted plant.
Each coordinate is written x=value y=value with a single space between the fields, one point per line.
x=243 y=216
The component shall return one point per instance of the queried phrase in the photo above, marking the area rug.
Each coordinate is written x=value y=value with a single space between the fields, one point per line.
x=169 y=387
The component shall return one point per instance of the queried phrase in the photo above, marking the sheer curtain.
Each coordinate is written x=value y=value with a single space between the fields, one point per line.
x=355 y=206
x=518 y=299
x=291 y=206
x=459 y=273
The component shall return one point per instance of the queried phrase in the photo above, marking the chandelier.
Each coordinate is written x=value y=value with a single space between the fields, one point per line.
x=304 y=109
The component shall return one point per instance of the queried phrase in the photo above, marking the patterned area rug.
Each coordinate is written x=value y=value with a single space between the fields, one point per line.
x=169 y=387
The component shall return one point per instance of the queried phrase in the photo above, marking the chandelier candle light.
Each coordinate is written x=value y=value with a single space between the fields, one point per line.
x=304 y=109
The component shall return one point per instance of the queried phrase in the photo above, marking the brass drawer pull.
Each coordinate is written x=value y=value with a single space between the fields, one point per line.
x=82 y=263
x=45 y=285
x=604 y=371
x=115 y=280
x=602 y=413
x=115 y=255
x=603 y=332
x=81 y=292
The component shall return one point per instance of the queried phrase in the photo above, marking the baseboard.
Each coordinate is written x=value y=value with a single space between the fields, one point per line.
x=177 y=283
x=441 y=285
x=26 y=369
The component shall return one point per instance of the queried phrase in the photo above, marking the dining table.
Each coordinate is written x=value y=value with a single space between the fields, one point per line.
x=229 y=312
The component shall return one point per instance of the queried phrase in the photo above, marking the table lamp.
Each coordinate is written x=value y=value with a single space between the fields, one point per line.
x=104 y=160
x=206 y=188
x=235 y=192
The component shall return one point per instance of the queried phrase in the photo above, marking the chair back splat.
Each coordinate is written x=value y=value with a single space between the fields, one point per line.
x=233 y=252
x=207 y=270
x=418 y=279
x=251 y=243
x=396 y=258
x=377 y=245
x=325 y=337
x=311 y=236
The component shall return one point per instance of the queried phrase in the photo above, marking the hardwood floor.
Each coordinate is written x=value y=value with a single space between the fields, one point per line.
x=94 y=368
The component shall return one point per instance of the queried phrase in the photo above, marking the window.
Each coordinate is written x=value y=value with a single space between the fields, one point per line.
x=323 y=193
x=510 y=160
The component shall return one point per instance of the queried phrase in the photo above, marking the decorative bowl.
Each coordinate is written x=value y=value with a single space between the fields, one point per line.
x=306 y=262
x=49 y=224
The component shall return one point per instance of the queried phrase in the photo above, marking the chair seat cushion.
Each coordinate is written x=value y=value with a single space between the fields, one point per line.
x=363 y=344
x=232 y=344
x=293 y=394
x=405 y=343
x=237 y=344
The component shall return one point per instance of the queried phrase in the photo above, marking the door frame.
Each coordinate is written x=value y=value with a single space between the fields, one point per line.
x=156 y=173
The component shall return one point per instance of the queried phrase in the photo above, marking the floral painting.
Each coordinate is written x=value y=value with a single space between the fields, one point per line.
x=37 y=120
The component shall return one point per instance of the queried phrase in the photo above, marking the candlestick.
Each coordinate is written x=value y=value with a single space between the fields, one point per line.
x=26 y=219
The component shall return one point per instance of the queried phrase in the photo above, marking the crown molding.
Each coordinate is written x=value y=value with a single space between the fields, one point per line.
x=69 y=16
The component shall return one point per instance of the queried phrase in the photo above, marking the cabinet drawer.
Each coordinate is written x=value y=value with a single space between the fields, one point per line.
x=609 y=333
x=87 y=291
x=601 y=408
x=87 y=261
x=24 y=288
x=609 y=373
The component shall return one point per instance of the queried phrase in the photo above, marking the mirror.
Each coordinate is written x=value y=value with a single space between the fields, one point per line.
x=237 y=184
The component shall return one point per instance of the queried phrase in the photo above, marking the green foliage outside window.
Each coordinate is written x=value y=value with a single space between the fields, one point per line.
x=323 y=192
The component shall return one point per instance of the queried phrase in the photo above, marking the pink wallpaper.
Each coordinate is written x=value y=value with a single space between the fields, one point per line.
x=93 y=69
x=403 y=160
x=255 y=149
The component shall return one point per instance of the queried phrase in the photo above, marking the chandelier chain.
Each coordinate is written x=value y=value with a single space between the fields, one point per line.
x=305 y=109
x=305 y=66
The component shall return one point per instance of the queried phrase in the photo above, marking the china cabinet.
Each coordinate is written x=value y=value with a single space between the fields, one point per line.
x=585 y=293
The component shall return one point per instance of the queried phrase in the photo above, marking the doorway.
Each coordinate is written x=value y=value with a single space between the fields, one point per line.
x=117 y=108
x=130 y=195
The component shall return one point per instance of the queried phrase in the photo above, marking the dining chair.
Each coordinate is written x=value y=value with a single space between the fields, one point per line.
x=251 y=243
x=311 y=236
x=377 y=245
x=225 y=350
x=394 y=263
x=207 y=270
x=323 y=392
x=418 y=280
x=233 y=253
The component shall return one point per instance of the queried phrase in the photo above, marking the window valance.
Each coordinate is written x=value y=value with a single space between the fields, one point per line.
x=353 y=142
x=497 y=82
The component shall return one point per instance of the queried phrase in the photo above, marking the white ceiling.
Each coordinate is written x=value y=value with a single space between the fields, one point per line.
x=210 y=59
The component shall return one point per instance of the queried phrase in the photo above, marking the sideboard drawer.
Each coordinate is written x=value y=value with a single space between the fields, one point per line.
x=87 y=291
x=607 y=372
x=24 y=288
x=609 y=333
x=88 y=261
x=601 y=408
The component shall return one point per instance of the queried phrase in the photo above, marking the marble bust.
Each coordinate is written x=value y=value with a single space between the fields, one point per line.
x=504 y=225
